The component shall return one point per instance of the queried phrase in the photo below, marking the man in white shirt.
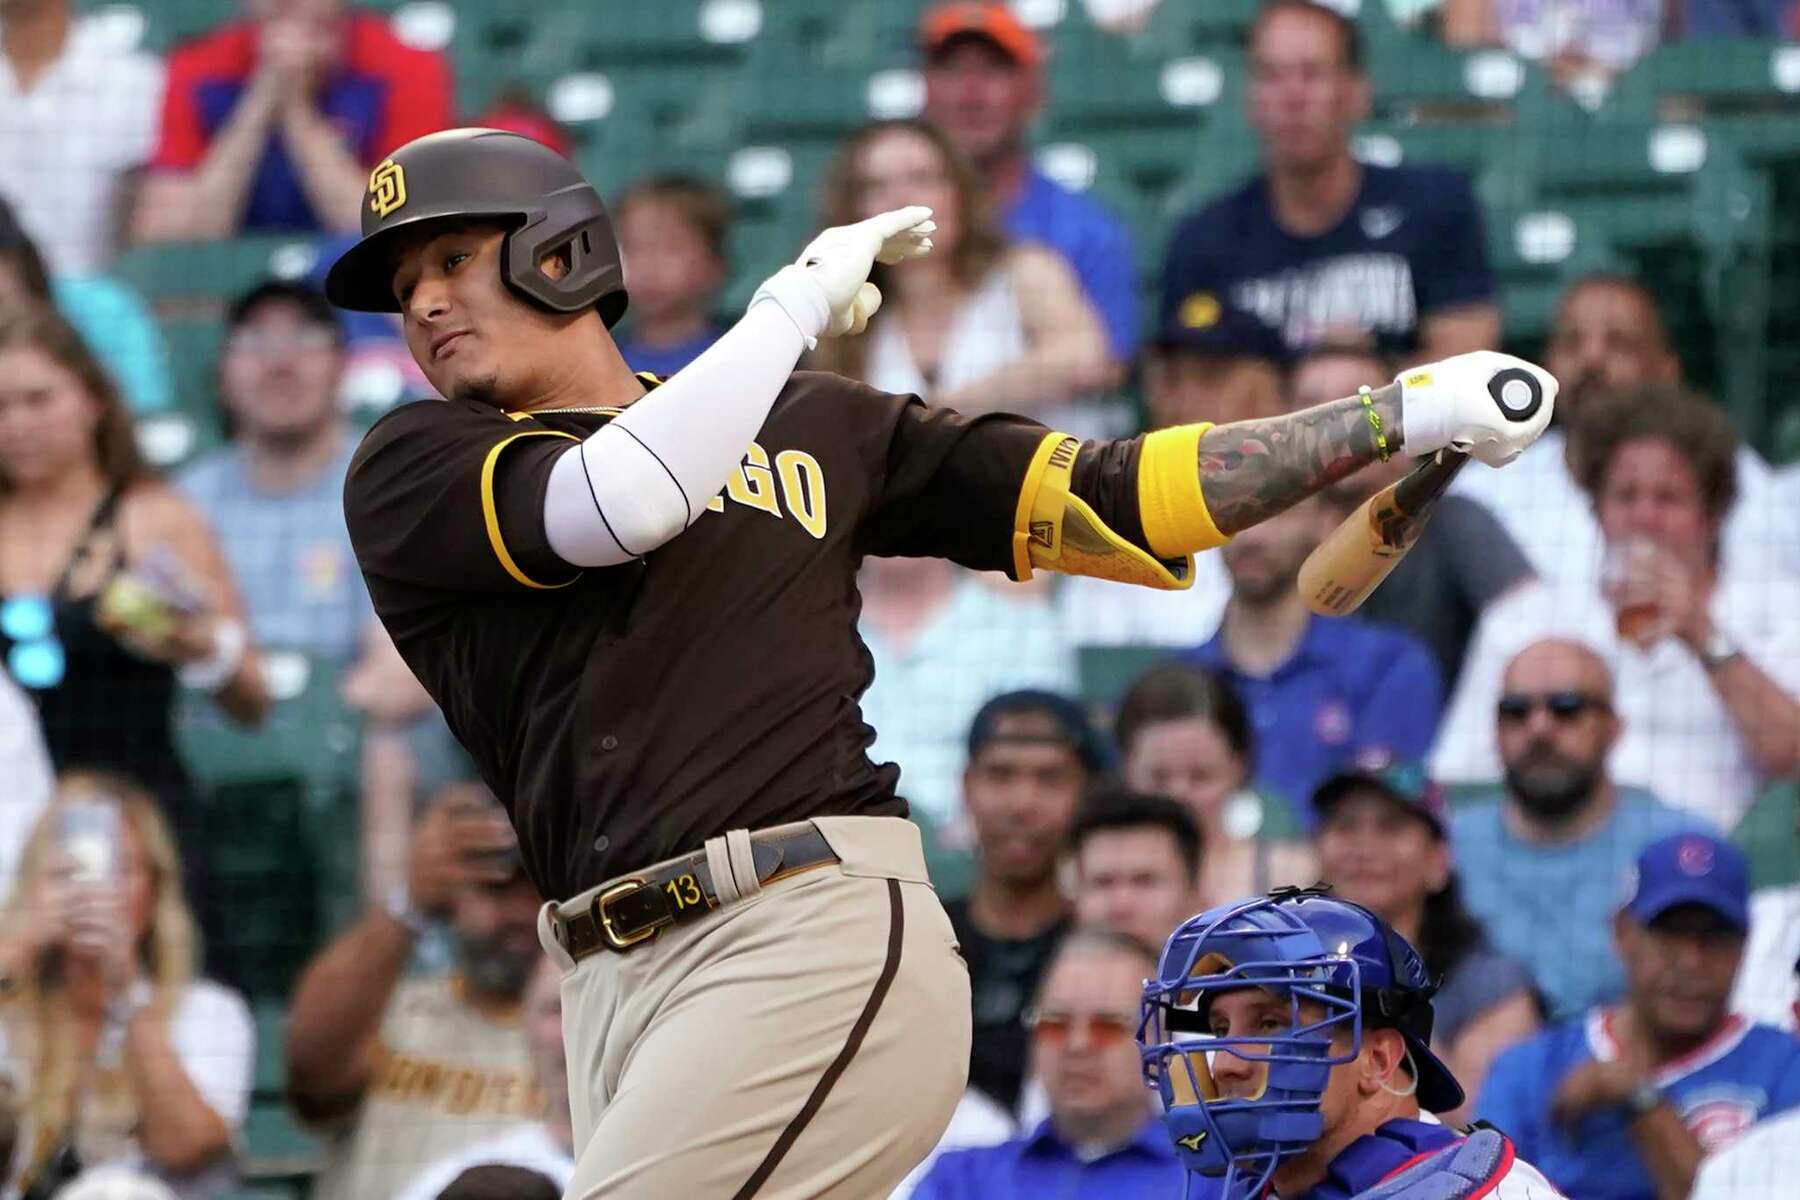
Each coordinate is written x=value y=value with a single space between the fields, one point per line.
x=1705 y=653
x=1607 y=335
x=547 y=1147
x=78 y=113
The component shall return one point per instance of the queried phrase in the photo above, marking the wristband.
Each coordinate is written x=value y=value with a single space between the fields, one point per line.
x=230 y=642
x=799 y=294
x=122 y=1009
x=1368 y=402
x=1643 y=1098
x=400 y=907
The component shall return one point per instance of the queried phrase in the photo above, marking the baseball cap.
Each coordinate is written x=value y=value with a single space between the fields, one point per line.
x=1403 y=782
x=1070 y=725
x=1691 y=868
x=314 y=308
x=1207 y=326
x=990 y=21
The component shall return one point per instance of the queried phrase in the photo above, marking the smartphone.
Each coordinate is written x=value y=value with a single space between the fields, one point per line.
x=88 y=832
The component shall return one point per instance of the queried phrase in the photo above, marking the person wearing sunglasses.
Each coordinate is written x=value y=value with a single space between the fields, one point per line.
x=1703 y=641
x=1102 y=1139
x=1540 y=854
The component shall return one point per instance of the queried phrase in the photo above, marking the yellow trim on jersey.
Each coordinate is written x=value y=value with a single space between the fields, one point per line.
x=1056 y=530
x=1170 y=503
x=1028 y=490
x=490 y=513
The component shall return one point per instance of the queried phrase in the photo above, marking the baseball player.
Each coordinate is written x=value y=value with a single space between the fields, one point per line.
x=1290 y=1038
x=636 y=603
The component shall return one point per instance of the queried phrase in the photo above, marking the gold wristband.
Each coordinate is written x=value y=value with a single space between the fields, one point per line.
x=1368 y=402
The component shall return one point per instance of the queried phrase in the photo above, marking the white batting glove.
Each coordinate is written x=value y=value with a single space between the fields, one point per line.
x=1489 y=404
x=827 y=291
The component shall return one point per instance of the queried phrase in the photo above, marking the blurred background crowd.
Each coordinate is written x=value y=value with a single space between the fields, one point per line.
x=262 y=933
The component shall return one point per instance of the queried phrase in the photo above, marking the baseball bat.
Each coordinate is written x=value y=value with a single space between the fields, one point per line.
x=1355 y=557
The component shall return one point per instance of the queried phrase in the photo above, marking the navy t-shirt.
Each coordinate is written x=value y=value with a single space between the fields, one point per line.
x=1412 y=244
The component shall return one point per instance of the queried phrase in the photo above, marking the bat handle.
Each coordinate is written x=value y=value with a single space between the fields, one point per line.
x=1429 y=480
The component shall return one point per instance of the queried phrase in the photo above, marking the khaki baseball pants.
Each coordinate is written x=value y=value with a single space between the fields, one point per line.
x=809 y=1039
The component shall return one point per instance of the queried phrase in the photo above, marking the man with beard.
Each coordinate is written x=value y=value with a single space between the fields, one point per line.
x=407 y=1070
x=1622 y=1102
x=1607 y=336
x=1540 y=856
x=1319 y=690
x=1031 y=757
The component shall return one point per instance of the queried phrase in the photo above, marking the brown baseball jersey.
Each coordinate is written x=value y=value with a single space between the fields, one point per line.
x=626 y=714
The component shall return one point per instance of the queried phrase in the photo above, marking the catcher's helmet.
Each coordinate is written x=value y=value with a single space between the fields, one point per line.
x=487 y=173
x=1307 y=946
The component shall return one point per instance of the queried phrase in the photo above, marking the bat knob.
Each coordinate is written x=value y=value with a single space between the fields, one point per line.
x=1517 y=392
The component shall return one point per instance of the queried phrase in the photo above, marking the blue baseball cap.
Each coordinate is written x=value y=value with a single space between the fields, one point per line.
x=1205 y=326
x=1691 y=868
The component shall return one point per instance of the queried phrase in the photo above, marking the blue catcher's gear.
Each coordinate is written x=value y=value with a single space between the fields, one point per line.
x=1307 y=946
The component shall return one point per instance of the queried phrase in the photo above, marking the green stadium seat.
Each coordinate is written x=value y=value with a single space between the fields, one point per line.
x=280 y=1148
x=1767 y=835
x=278 y=805
x=1106 y=672
x=1722 y=75
x=667 y=32
x=1178 y=28
x=171 y=272
x=194 y=345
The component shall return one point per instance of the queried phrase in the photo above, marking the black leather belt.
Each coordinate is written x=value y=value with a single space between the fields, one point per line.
x=634 y=908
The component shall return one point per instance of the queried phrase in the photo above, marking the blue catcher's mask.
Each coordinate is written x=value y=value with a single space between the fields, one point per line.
x=1313 y=952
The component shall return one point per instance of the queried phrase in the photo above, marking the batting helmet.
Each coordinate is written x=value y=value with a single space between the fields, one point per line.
x=1303 y=945
x=494 y=175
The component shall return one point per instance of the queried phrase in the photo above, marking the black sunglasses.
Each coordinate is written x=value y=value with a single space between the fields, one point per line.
x=1564 y=706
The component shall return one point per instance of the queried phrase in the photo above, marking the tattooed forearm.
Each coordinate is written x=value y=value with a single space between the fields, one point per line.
x=1251 y=470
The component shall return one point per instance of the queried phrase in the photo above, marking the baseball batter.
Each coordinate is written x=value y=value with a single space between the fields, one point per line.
x=636 y=603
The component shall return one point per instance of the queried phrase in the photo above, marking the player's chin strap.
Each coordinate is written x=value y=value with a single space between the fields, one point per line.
x=1056 y=530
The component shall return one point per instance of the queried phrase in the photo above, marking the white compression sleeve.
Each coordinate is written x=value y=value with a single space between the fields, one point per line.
x=646 y=475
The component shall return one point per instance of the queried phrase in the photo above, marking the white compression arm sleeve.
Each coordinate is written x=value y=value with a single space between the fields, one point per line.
x=646 y=475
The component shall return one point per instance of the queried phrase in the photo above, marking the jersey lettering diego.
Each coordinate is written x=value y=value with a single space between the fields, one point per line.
x=1744 y=1073
x=628 y=713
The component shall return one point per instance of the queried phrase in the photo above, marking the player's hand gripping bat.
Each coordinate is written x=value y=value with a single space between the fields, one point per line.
x=1356 y=556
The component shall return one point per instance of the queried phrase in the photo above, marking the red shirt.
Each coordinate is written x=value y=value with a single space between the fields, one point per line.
x=389 y=93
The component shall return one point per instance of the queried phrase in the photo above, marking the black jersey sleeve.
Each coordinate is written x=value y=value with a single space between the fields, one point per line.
x=960 y=487
x=449 y=496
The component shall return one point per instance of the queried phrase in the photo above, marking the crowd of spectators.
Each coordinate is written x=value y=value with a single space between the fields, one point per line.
x=1528 y=751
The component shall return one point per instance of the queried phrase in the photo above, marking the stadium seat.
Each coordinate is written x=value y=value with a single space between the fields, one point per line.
x=184 y=271
x=278 y=805
x=1768 y=836
x=193 y=363
x=1721 y=75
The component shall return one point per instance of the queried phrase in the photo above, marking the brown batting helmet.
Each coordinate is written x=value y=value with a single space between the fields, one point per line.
x=487 y=174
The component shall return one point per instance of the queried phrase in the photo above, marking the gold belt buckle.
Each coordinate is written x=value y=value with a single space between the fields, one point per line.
x=606 y=926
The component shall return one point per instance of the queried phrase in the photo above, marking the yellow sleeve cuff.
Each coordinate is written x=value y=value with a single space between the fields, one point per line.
x=1056 y=530
x=1170 y=504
